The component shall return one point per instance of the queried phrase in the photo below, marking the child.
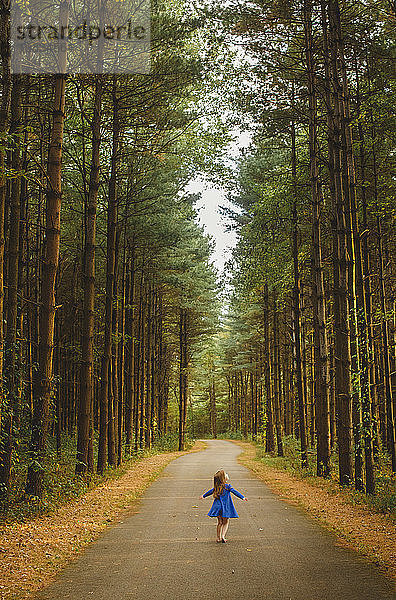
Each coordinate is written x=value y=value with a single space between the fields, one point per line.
x=222 y=507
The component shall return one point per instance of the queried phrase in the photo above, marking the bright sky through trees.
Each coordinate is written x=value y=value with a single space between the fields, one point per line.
x=211 y=199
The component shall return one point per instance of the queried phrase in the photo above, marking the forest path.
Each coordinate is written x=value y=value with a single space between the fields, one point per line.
x=167 y=551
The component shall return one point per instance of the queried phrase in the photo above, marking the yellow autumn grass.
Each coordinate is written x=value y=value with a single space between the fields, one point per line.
x=357 y=526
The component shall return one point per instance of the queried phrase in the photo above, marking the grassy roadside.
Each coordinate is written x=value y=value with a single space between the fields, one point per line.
x=33 y=552
x=357 y=526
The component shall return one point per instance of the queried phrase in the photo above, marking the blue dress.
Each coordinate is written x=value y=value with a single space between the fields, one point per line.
x=224 y=506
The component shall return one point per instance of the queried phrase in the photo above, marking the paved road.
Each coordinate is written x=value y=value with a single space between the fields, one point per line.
x=167 y=551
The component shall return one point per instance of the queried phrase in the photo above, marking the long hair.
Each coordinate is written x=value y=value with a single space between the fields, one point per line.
x=219 y=482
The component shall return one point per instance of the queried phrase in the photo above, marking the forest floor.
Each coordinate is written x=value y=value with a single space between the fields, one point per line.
x=357 y=526
x=33 y=552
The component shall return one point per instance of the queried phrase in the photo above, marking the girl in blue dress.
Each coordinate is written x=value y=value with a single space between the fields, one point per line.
x=223 y=508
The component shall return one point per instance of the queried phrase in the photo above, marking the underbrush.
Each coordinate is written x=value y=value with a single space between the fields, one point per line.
x=384 y=499
x=232 y=435
x=61 y=485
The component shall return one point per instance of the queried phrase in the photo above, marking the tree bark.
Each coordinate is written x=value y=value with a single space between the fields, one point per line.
x=183 y=385
x=297 y=312
x=147 y=391
x=87 y=338
x=342 y=348
x=6 y=86
x=43 y=376
x=391 y=438
x=130 y=348
x=269 y=435
x=110 y=273
x=276 y=354
x=11 y=353
x=321 y=366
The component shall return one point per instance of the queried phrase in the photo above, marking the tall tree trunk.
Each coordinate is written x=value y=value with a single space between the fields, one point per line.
x=154 y=368
x=138 y=349
x=163 y=374
x=321 y=366
x=11 y=353
x=367 y=279
x=269 y=435
x=43 y=375
x=355 y=269
x=110 y=273
x=386 y=355
x=113 y=376
x=87 y=338
x=297 y=312
x=130 y=352
x=149 y=342
x=6 y=85
x=185 y=376
x=142 y=362
x=121 y=351
x=182 y=376
x=276 y=354
x=342 y=355
x=363 y=322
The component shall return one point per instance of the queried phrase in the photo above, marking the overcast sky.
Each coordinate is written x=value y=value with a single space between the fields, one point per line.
x=211 y=199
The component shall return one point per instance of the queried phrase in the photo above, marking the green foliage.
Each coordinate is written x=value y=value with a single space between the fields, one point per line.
x=61 y=485
x=231 y=435
x=169 y=442
x=384 y=501
x=291 y=461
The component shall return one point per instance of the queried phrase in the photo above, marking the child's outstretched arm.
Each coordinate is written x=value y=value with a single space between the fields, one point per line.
x=206 y=494
x=238 y=494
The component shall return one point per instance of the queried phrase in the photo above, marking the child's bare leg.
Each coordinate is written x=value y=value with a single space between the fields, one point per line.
x=219 y=527
x=226 y=523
